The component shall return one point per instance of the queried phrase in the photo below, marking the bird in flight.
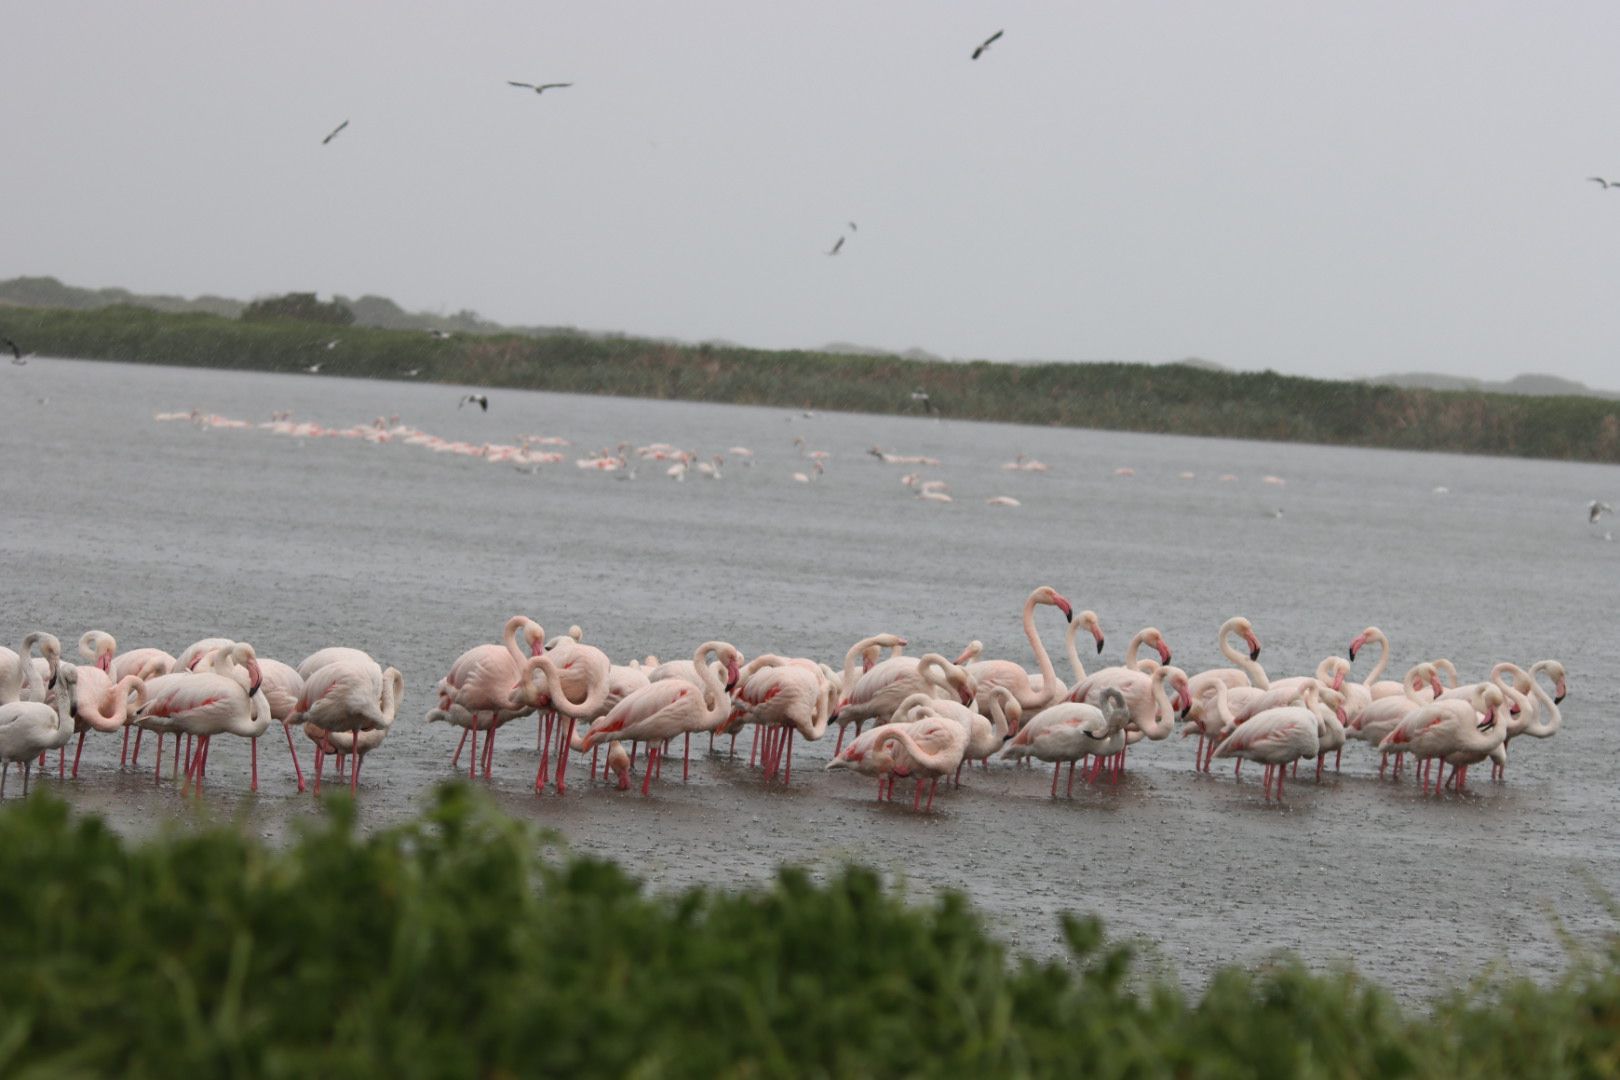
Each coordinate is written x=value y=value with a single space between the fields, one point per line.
x=837 y=245
x=334 y=133
x=1597 y=510
x=853 y=227
x=540 y=89
x=985 y=45
x=1606 y=183
x=481 y=400
x=16 y=353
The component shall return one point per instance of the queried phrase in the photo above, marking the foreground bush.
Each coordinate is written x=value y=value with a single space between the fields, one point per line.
x=447 y=947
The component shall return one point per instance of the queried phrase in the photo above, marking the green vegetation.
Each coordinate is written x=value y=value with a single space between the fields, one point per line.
x=459 y=945
x=297 y=307
x=1177 y=398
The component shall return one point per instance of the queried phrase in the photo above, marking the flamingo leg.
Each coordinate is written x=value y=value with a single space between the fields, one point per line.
x=255 y=785
x=934 y=784
x=157 y=773
x=135 y=757
x=916 y=798
x=753 y=748
x=320 y=763
x=1070 y=789
x=455 y=762
x=123 y=755
x=1336 y=755
x=489 y=748
x=177 y=752
x=563 y=748
x=78 y=753
x=787 y=777
x=293 y=750
x=647 y=777
x=472 y=762
x=1056 y=769
x=839 y=745
x=686 y=756
x=354 y=762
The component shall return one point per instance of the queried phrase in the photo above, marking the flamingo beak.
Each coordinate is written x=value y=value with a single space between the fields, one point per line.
x=104 y=662
x=732 y=674
x=1254 y=646
x=1355 y=646
x=1338 y=681
x=1063 y=606
x=1164 y=652
x=1344 y=719
x=1559 y=700
x=1096 y=632
x=254 y=676
x=966 y=694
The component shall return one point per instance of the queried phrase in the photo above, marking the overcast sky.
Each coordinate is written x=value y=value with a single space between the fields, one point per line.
x=1328 y=190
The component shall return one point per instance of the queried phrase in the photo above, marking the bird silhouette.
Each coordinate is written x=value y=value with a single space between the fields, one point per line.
x=16 y=353
x=541 y=88
x=314 y=369
x=1597 y=510
x=853 y=227
x=334 y=133
x=837 y=246
x=481 y=400
x=985 y=45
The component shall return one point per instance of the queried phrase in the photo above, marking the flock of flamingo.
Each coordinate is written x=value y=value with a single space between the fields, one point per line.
x=624 y=460
x=928 y=715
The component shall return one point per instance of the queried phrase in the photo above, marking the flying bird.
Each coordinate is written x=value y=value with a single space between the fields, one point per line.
x=1597 y=510
x=1606 y=183
x=481 y=400
x=853 y=228
x=334 y=133
x=542 y=88
x=836 y=246
x=980 y=51
x=16 y=353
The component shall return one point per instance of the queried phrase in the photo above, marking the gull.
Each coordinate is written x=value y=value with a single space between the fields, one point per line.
x=481 y=400
x=334 y=133
x=542 y=88
x=1606 y=183
x=1597 y=510
x=837 y=246
x=16 y=353
x=314 y=369
x=980 y=51
x=922 y=398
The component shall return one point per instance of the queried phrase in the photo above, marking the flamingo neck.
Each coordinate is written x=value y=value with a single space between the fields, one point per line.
x=1377 y=671
x=1050 y=690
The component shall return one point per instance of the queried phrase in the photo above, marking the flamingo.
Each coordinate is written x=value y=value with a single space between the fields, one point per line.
x=18 y=677
x=1142 y=692
x=865 y=651
x=100 y=704
x=1382 y=715
x=332 y=655
x=1070 y=731
x=29 y=728
x=867 y=756
x=1276 y=737
x=98 y=647
x=191 y=654
x=783 y=696
x=1450 y=729
x=929 y=749
x=1247 y=670
x=550 y=693
x=282 y=687
x=671 y=707
x=482 y=681
x=350 y=696
x=1030 y=696
x=879 y=692
x=203 y=705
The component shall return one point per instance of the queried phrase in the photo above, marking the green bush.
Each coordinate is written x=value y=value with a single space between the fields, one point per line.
x=465 y=944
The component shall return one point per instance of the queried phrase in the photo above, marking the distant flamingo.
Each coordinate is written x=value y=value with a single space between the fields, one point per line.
x=1451 y=730
x=350 y=696
x=202 y=705
x=100 y=704
x=785 y=697
x=1382 y=715
x=879 y=692
x=863 y=652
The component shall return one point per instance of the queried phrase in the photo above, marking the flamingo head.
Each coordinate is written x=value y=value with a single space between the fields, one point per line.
x=1088 y=619
x=1253 y=643
x=733 y=671
x=255 y=676
x=1048 y=595
x=974 y=649
x=1156 y=639
x=1556 y=670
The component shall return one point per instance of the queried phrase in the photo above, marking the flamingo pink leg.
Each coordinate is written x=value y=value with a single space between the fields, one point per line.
x=78 y=753
x=563 y=749
x=1056 y=769
x=255 y=785
x=652 y=759
x=293 y=750
x=472 y=762
x=455 y=762
x=787 y=777
x=686 y=757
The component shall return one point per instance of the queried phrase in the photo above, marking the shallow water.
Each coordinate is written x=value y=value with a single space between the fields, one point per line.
x=162 y=533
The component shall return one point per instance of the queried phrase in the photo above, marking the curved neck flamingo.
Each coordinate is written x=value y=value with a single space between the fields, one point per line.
x=859 y=650
x=1372 y=633
x=1085 y=620
x=1248 y=664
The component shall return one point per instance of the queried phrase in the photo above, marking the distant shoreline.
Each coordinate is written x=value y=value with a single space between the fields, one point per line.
x=1179 y=399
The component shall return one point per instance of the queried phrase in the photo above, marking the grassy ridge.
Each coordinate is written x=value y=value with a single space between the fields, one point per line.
x=1175 y=398
x=446 y=947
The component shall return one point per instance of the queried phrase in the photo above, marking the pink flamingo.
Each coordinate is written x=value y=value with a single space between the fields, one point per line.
x=203 y=705
x=1383 y=715
x=591 y=679
x=671 y=707
x=785 y=697
x=481 y=683
x=19 y=677
x=350 y=696
x=1276 y=737
x=865 y=653
x=1030 y=694
x=31 y=728
x=100 y=704
x=1450 y=729
x=928 y=749
x=1071 y=731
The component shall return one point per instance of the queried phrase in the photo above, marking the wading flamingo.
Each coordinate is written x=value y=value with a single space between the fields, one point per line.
x=29 y=728
x=1277 y=738
x=1071 y=731
x=477 y=693
x=1030 y=694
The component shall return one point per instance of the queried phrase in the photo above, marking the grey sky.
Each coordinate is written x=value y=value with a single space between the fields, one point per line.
x=1333 y=191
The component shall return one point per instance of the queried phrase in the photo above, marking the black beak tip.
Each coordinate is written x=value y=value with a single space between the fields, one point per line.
x=1559 y=700
x=1099 y=646
x=1254 y=653
x=1352 y=656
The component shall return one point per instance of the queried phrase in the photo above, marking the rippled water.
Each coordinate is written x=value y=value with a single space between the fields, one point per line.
x=166 y=532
